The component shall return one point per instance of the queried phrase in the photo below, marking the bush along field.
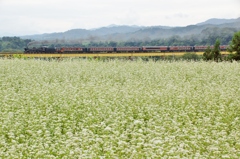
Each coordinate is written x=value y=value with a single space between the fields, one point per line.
x=119 y=109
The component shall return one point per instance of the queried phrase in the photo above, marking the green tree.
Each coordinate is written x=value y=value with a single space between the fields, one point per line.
x=213 y=54
x=216 y=51
x=207 y=55
x=234 y=48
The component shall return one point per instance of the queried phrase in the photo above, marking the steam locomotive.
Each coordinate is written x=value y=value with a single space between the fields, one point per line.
x=69 y=50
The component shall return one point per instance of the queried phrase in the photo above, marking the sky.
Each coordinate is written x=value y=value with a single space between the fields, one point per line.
x=27 y=17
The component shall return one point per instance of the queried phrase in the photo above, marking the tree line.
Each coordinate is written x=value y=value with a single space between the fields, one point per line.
x=13 y=44
x=214 y=54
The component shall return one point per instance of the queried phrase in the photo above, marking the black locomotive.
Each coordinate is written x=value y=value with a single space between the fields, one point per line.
x=43 y=49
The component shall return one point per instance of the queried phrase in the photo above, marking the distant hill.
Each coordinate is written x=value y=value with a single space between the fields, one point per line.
x=85 y=34
x=125 y=33
x=215 y=21
x=157 y=33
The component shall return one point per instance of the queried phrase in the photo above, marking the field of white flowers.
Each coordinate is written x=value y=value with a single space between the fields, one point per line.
x=119 y=109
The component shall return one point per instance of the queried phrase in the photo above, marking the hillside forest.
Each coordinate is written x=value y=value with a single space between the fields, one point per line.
x=208 y=37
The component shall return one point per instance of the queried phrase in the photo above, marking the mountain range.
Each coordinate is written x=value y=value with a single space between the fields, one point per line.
x=126 y=33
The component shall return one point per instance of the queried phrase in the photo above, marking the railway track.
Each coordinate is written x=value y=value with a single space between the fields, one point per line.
x=99 y=54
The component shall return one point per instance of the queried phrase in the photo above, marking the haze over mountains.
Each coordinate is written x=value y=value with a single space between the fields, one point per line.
x=125 y=33
x=215 y=21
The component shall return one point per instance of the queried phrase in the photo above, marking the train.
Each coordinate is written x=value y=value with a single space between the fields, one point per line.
x=74 y=50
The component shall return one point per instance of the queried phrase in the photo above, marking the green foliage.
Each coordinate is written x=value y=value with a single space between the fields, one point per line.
x=213 y=54
x=190 y=56
x=235 y=47
x=207 y=55
x=18 y=56
x=232 y=57
x=216 y=51
x=13 y=44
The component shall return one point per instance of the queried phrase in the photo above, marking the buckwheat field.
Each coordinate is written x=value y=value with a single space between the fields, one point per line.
x=119 y=109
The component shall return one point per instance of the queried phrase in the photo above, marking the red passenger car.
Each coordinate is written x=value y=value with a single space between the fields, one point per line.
x=70 y=50
x=155 y=48
x=223 y=47
x=101 y=49
x=180 y=48
x=128 y=49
